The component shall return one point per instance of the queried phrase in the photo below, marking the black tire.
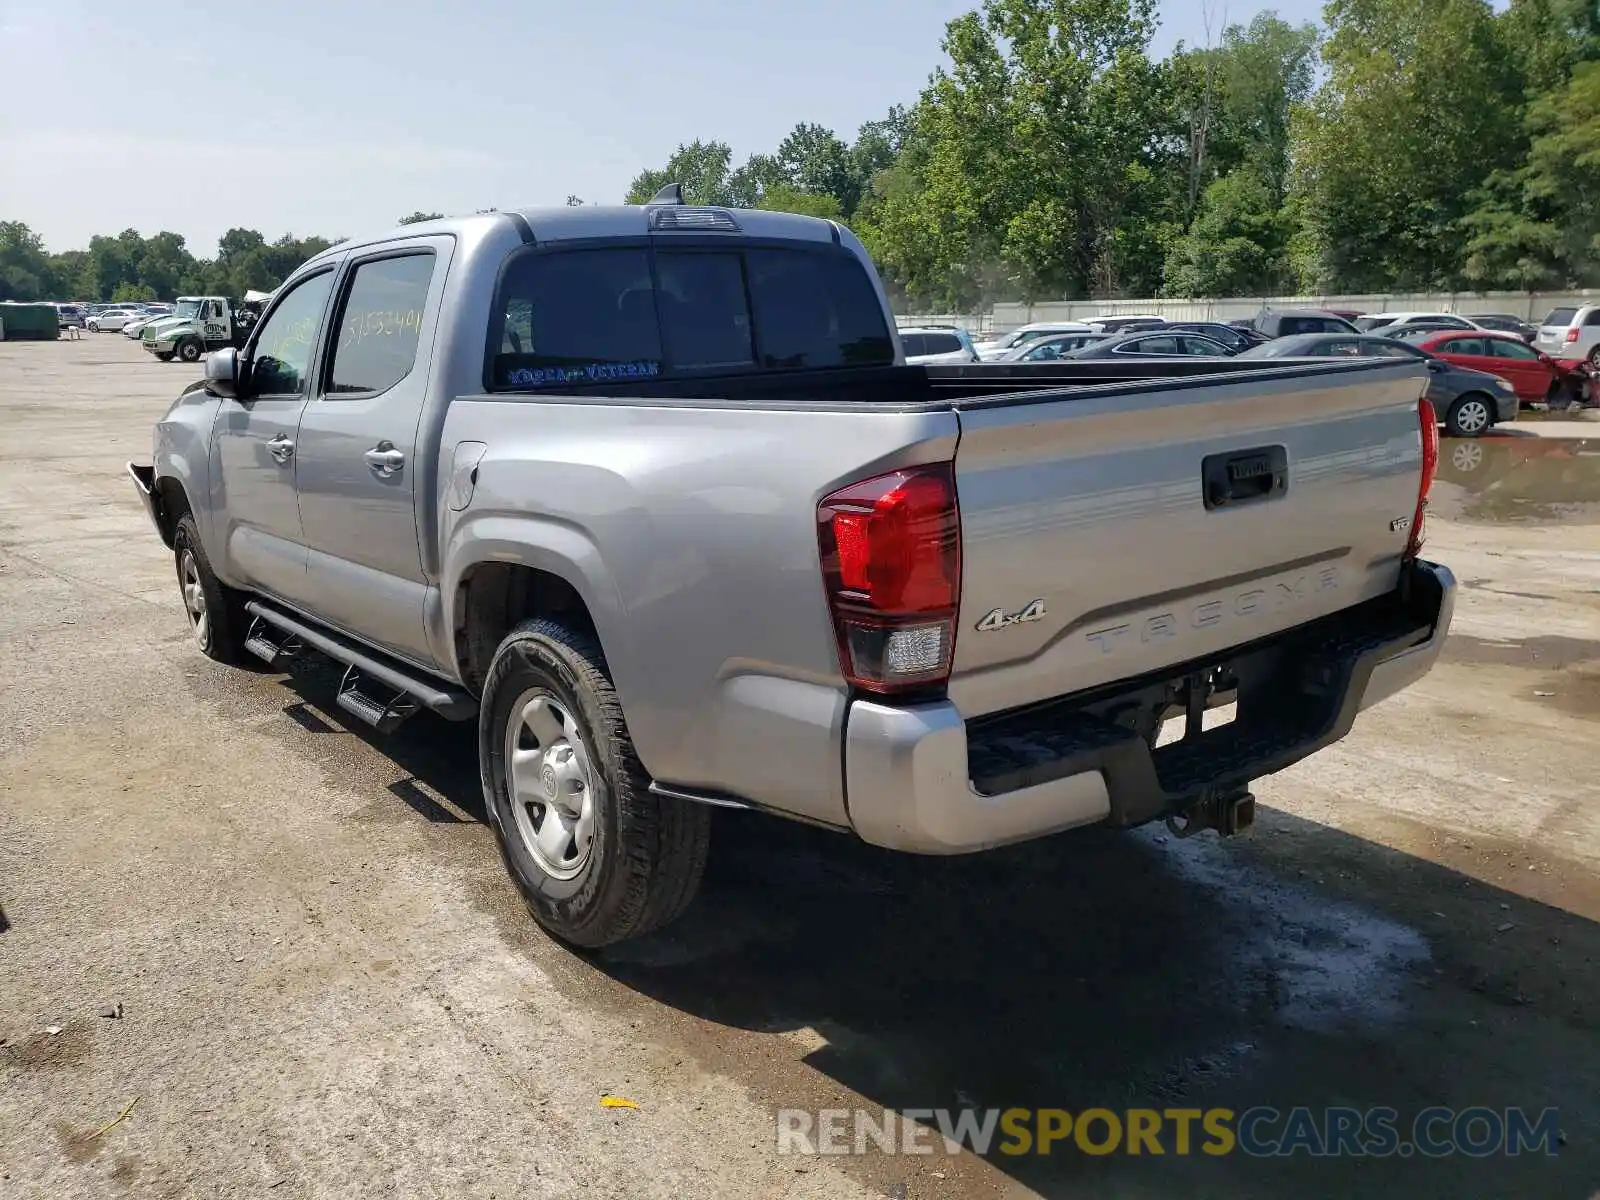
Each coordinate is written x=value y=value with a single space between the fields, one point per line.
x=645 y=854
x=164 y=355
x=1463 y=406
x=189 y=351
x=226 y=623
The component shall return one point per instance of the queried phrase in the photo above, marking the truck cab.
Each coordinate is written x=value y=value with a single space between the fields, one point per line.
x=200 y=324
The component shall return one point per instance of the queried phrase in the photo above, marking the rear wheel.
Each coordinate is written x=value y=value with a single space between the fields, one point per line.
x=1470 y=415
x=597 y=857
x=1594 y=358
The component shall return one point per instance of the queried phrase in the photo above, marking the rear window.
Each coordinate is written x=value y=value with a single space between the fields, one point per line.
x=1559 y=316
x=583 y=316
x=1292 y=325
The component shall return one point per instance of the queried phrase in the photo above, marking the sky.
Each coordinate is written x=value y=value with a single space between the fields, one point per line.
x=338 y=118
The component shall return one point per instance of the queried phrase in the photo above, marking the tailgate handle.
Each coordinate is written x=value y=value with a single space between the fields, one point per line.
x=1243 y=477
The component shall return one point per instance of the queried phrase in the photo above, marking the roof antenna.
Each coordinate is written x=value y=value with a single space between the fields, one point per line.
x=671 y=194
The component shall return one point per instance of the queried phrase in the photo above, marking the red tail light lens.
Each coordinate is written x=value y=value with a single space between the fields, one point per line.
x=1429 y=420
x=1572 y=335
x=891 y=563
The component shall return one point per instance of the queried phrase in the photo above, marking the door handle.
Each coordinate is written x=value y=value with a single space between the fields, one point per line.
x=385 y=460
x=281 y=448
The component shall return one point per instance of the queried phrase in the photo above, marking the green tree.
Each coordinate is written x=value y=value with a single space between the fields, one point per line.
x=785 y=197
x=701 y=167
x=23 y=265
x=420 y=216
x=815 y=161
x=1237 y=245
x=1419 y=107
x=1539 y=224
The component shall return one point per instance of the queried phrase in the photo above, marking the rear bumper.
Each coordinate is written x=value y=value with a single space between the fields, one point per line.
x=921 y=779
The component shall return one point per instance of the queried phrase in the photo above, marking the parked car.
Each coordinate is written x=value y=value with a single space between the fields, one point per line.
x=1049 y=349
x=1155 y=344
x=541 y=472
x=1571 y=334
x=137 y=326
x=1285 y=322
x=1390 y=320
x=993 y=349
x=1420 y=327
x=1537 y=377
x=1234 y=338
x=1468 y=402
x=1505 y=323
x=937 y=344
x=71 y=316
x=112 y=319
x=1125 y=324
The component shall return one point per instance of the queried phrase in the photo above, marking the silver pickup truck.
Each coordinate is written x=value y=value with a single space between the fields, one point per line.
x=650 y=494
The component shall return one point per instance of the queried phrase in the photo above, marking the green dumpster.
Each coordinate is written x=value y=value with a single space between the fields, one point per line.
x=30 y=322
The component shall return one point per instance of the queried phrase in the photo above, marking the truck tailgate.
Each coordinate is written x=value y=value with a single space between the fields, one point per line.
x=1125 y=529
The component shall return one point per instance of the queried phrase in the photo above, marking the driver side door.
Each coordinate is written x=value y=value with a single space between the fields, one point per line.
x=253 y=448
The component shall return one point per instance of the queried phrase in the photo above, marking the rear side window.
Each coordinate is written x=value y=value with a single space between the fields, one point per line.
x=1151 y=345
x=914 y=344
x=576 y=316
x=381 y=323
x=815 y=310
x=1559 y=316
x=1470 y=346
x=940 y=343
x=1593 y=319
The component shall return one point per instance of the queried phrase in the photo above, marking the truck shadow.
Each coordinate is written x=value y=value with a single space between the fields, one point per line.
x=1299 y=966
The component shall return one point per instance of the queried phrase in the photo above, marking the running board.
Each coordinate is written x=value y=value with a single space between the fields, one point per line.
x=375 y=689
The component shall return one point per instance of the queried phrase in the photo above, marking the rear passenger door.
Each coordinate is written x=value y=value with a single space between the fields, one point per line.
x=362 y=467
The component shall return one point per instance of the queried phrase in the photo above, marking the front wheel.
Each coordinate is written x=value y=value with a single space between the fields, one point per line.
x=216 y=611
x=164 y=355
x=189 y=351
x=1469 y=416
x=597 y=857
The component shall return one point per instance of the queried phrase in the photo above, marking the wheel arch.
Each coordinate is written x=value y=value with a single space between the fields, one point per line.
x=504 y=570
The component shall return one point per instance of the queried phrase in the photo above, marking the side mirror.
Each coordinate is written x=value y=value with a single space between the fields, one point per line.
x=1437 y=364
x=222 y=372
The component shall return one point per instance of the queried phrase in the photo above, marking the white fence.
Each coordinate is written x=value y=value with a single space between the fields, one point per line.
x=1530 y=306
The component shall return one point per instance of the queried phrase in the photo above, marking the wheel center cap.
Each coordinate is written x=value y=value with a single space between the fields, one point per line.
x=547 y=779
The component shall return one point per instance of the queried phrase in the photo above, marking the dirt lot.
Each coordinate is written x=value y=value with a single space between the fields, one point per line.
x=326 y=986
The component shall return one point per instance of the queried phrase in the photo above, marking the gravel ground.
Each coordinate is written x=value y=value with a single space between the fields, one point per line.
x=326 y=985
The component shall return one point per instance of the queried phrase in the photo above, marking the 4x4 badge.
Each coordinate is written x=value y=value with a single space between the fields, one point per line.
x=1000 y=619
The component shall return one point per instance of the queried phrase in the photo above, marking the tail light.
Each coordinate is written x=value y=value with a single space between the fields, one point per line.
x=1572 y=335
x=891 y=564
x=1429 y=421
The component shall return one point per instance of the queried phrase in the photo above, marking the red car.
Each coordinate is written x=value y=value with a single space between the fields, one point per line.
x=1533 y=375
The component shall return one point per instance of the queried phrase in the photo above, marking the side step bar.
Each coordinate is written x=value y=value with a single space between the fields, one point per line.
x=378 y=691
